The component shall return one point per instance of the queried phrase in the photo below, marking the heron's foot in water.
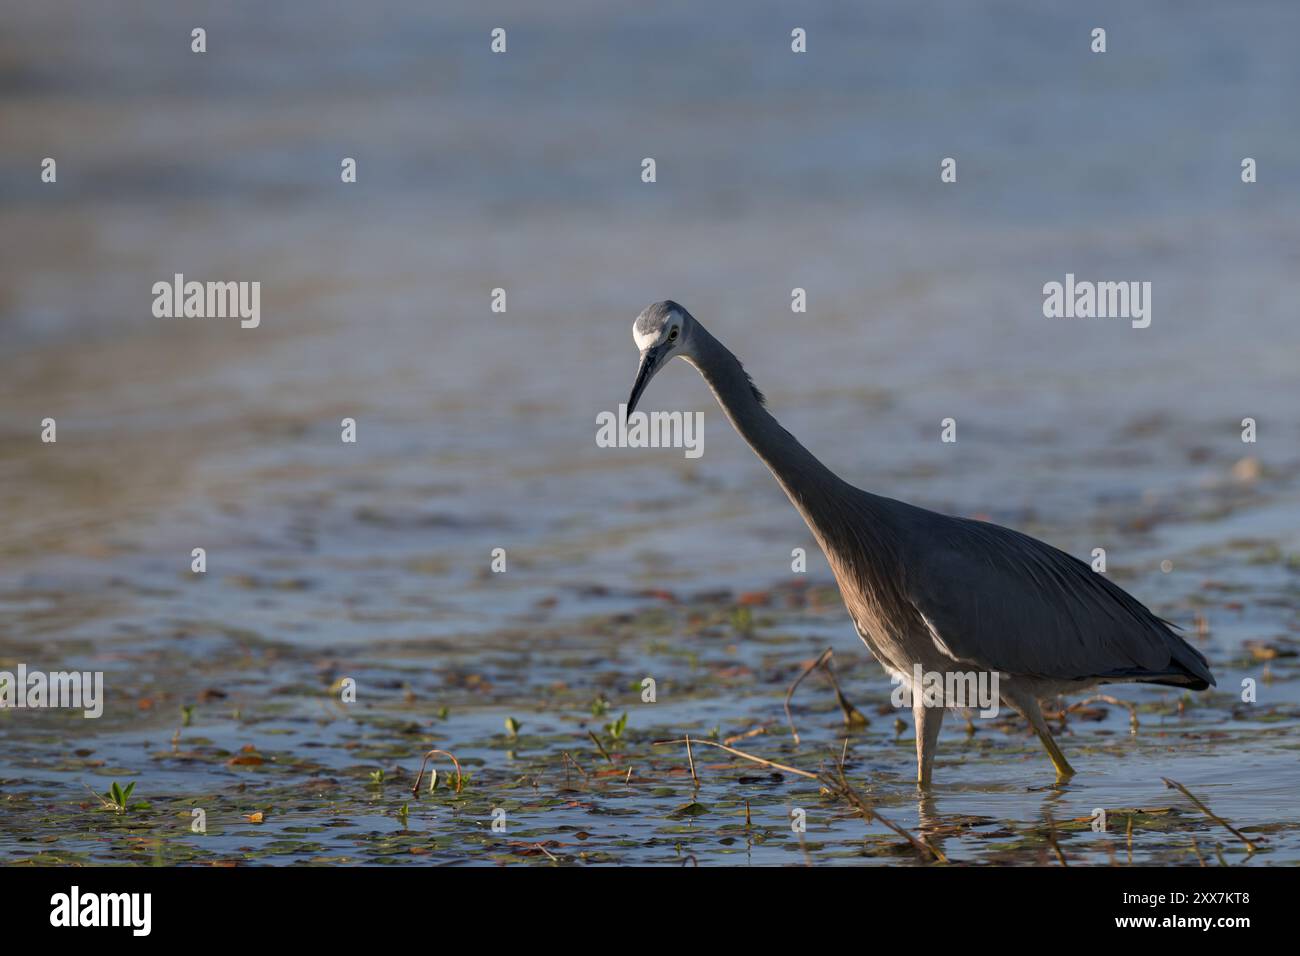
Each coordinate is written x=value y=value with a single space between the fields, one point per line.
x=1063 y=769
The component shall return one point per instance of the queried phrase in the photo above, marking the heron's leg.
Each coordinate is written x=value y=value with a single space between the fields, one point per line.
x=1034 y=714
x=928 y=721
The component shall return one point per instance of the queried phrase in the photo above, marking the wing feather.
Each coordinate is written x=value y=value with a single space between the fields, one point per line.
x=1002 y=600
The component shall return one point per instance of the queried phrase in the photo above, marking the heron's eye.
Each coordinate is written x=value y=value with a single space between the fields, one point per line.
x=672 y=335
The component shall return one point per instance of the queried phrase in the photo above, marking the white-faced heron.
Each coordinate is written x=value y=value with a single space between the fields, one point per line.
x=952 y=595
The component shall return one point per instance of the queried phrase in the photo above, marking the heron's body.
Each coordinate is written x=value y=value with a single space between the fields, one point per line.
x=951 y=595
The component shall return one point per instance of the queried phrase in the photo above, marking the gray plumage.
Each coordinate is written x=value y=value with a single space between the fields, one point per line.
x=950 y=594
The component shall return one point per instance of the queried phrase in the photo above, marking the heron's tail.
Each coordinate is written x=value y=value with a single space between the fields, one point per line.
x=1187 y=668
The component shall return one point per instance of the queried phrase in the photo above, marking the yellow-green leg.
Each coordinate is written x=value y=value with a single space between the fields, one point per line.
x=1032 y=712
x=1063 y=769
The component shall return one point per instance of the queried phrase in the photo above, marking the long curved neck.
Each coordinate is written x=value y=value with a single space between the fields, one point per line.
x=811 y=487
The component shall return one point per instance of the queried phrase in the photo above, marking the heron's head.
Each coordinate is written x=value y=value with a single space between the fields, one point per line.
x=662 y=331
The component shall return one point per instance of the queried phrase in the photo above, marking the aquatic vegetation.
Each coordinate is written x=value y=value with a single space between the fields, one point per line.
x=512 y=753
x=649 y=799
x=116 y=797
x=615 y=729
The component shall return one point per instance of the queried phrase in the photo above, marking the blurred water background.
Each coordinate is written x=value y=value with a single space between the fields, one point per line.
x=775 y=170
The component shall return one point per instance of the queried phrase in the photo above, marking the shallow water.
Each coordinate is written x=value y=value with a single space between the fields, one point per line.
x=477 y=429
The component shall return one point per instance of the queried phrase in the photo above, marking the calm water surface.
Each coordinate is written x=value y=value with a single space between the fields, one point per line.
x=476 y=430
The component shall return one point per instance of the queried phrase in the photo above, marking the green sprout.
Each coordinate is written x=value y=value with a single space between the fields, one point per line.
x=115 y=797
x=616 y=728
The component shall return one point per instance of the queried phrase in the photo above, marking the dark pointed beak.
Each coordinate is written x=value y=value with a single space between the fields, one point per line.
x=649 y=358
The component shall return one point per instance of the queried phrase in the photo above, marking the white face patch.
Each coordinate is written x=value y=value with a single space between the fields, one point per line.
x=643 y=342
